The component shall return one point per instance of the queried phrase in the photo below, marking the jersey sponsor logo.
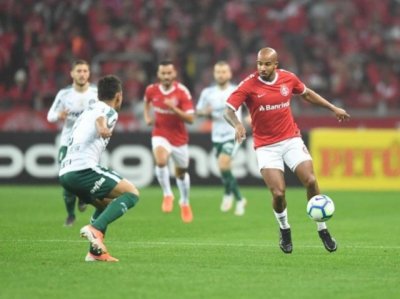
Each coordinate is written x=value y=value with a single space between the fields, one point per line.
x=97 y=185
x=261 y=95
x=284 y=90
x=72 y=115
x=274 y=107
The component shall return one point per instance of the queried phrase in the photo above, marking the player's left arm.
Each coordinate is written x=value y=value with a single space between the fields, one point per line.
x=102 y=128
x=186 y=116
x=314 y=98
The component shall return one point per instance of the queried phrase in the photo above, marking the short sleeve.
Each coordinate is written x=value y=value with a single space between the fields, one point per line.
x=187 y=103
x=237 y=98
x=147 y=94
x=298 y=86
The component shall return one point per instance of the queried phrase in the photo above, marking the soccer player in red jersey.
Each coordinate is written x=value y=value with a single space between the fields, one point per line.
x=172 y=105
x=277 y=140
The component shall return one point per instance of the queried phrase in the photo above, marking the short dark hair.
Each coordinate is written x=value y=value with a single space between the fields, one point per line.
x=78 y=62
x=165 y=62
x=107 y=87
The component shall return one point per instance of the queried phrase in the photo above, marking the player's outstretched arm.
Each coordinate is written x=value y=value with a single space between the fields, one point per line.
x=232 y=119
x=314 y=98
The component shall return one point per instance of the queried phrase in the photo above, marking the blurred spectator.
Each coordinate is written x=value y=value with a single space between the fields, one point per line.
x=347 y=50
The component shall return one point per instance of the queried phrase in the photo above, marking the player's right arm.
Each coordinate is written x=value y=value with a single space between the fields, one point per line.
x=203 y=108
x=148 y=118
x=57 y=110
x=232 y=105
x=147 y=114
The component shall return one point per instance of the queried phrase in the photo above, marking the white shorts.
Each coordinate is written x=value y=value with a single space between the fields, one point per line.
x=179 y=154
x=290 y=152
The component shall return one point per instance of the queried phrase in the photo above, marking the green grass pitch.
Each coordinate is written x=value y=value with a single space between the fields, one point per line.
x=217 y=256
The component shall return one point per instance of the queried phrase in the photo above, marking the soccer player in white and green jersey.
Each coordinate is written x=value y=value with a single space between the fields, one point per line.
x=67 y=106
x=81 y=174
x=212 y=104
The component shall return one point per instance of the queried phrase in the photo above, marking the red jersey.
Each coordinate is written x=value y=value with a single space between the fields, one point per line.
x=167 y=123
x=269 y=105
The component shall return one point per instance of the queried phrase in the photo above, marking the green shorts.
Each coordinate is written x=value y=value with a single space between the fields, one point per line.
x=228 y=148
x=89 y=184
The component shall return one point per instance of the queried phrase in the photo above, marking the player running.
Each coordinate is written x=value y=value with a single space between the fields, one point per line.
x=277 y=140
x=67 y=106
x=82 y=175
x=172 y=106
x=212 y=104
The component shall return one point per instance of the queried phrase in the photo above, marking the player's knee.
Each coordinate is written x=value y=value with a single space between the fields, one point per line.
x=310 y=182
x=161 y=163
x=278 y=193
x=180 y=173
x=130 y=199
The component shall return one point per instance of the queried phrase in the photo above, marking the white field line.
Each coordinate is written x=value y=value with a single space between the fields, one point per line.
x=148 y=244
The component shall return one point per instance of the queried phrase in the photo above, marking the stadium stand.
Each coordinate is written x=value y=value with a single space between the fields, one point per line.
x=349 y=51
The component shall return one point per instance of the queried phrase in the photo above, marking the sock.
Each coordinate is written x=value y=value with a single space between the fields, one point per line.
x=184 y=188
x=95 y=215
x=115 y=209
x=69 y=199
x=225 y=177
x=321 y=226
x=162 y=174
x=282 y=219
x=231 y=185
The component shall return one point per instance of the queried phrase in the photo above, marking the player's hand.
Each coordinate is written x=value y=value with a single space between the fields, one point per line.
x=240 y=133
x=105 y=132
x=171 y=103
x=149 y=121
x=63 y=114
x=341 y=114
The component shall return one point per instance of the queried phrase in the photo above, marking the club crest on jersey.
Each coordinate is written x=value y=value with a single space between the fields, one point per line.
x=284 y=90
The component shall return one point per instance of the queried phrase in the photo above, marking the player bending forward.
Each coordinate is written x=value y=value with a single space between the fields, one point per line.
x=277 y=140
x=82 y=175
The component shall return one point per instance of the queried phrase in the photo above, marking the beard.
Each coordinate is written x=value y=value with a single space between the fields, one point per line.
x=81 y=83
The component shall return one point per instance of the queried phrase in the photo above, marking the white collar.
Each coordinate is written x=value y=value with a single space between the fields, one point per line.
x=166 y=91
x=269 y=82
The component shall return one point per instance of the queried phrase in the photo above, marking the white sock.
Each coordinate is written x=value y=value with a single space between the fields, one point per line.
x=321 y=226
x=162 y=174
x=282 y=219
x=184 y=188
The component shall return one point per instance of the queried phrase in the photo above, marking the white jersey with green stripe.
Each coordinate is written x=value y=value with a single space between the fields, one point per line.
x=215 y=98
x=85 y=145
x=75 y=102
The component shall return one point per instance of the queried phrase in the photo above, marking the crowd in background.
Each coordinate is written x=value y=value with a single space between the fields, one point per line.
x=349 y=51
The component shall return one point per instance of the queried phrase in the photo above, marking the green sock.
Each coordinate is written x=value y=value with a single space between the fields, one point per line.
x=231 y=185
x=69 y=199
x=235 y=189
x=96 y=215
x=115 y=209
x=226 y=181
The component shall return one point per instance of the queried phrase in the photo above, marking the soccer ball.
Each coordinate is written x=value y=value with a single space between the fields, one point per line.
x=320 y=208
